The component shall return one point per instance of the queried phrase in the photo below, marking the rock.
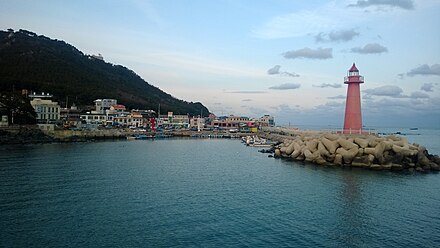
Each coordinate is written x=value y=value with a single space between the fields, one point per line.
x=360 y=152
x=300 y=157
x=396 y=167
x=283 y=150
x=296 y=151
x=361 y=142
x=331 y=137
x=322 y=150
x=426 y=167
x=320 y=161
x=338 y=159
x=347 y=155
x=374 y=141
x=405 y=151
x=380 y=149
x=309 y=156
x=290 y=148
x=277 y=152
x=386 y=166
x=376 y=167
x=330 y=145
x=419 y=169
x=369 y=150
x=362 y=161
x=422 y=160
x=435 y=167
x=435 y=159
x=347 y=145
x=312 y=145
x=411 y=170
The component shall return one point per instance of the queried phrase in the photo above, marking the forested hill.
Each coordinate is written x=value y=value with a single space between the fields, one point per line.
x=38 y=63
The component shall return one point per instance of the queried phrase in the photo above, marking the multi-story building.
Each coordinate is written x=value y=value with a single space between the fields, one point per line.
x=70 y=116
x=101 y=105
x=266 y=121
x=173 y=121
x=48 y=111
x=197 y=123
x=231 y=122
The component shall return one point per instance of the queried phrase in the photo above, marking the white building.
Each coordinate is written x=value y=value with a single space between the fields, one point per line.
x=266 y=121
x=101 y=105
x=48 y=111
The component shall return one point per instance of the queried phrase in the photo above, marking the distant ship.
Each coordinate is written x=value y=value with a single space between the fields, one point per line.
x=414 y=129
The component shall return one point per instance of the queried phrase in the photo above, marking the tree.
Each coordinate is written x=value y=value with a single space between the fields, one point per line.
x=17 y=108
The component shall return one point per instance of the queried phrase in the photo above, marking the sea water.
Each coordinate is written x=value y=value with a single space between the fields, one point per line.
x=206 y=193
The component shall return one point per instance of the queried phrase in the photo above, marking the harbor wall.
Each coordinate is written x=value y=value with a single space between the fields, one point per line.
x=363 y=150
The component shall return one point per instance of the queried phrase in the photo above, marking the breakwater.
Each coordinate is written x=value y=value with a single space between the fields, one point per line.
x=366 y=151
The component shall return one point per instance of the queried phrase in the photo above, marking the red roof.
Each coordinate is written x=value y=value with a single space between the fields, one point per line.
x=353 y=68
x=119 y=106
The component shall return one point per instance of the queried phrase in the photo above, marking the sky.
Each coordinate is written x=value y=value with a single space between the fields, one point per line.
x=254 y=57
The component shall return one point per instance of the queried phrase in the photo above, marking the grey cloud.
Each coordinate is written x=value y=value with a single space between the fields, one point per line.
x=394 y=92
x=246 y=100
x=425 y=70
x=247 y=92
x=418 y=94
x=337 y=97
x=276 y=71
x=337 y=36
x=387 y=90
x=327 y=85
x=370 y=48
x=404 y=4
x=287 y=86
x=308 y=53
x=428 y=87
x=289 y=74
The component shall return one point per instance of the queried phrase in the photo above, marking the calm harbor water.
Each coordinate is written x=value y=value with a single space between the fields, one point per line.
x=205 y=193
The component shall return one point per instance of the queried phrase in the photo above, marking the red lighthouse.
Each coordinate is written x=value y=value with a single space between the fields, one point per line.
x=353 y=114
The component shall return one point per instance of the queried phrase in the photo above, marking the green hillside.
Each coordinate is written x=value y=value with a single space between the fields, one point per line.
x=38 y=63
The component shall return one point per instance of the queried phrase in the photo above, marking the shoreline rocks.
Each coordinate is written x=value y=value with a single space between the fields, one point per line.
x=363 y=151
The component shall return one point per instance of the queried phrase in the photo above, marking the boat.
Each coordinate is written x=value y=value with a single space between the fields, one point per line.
x=255 y=141
x=414 y=129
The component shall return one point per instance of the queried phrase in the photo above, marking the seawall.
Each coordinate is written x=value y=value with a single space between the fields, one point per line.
x=368 y=151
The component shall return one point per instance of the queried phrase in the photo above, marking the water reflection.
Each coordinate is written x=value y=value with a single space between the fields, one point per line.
x=350 y=217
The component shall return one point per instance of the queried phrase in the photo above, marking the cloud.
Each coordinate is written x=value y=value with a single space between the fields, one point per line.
x=425 y=70
x=308 y=53
x=276 y=71
x=289 y=74
x=404 y=4
x=327 y=85
x=394 y=92
x=287 y=86
x=418 y=94
x=369 y=49
x=337 y=36
x=428 y=87
x=387 y=90
x=247 y=100
x=247 y=92
x=337 y=97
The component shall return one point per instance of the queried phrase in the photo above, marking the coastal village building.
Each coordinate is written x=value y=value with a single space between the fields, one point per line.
x=225 y=122
x=71 y=117
x=197 y=123
x=173 y=121
x=101 y=105
x=98 y=119
x=48 y=111
x=266 y=121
